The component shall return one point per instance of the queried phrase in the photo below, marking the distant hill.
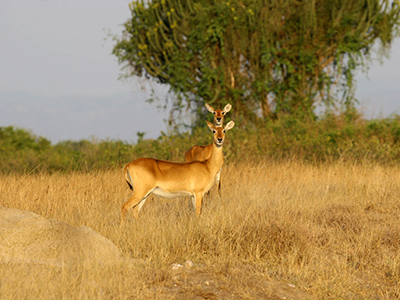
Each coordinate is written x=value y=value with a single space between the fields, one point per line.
x=79 y=117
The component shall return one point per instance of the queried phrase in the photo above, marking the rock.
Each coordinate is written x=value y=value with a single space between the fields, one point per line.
x=188 y=265
x=26 y=237
x=176 y=266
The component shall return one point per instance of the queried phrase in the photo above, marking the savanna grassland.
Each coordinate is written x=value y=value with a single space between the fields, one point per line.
x=282 y=230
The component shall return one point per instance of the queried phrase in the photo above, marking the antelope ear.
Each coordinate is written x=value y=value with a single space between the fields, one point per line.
x=210 y=108
x=230 y=125
x=210 y=125
x=227 y=108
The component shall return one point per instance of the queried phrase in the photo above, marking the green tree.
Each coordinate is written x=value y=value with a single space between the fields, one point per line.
x=263 y=56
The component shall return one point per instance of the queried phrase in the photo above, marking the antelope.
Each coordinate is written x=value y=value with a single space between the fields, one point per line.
x=202 y=153
x=168 y=179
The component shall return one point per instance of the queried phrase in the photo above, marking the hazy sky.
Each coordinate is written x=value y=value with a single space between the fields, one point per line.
x=59 y=79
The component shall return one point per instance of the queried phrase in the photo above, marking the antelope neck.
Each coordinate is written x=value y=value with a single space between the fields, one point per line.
x=216 y=156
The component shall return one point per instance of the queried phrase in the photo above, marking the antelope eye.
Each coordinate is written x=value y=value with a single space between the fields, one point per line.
x=214 y=112
x=214 y=131
x=223 y=112
x=224 y=131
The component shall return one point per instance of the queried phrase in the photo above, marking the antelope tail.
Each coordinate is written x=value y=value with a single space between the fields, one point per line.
x=128 y=178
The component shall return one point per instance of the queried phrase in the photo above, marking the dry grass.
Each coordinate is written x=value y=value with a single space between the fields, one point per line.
x=332 y=231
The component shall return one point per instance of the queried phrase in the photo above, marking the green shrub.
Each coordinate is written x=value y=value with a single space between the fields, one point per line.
x=330 y=138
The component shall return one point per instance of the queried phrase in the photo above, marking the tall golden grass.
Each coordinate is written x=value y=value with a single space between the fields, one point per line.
x=330 y=230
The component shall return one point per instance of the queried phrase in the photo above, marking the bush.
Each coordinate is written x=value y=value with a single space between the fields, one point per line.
x=330 y=138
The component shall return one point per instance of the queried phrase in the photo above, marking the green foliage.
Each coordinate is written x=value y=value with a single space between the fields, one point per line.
x=20 y=150
x=267 y=56
x=329 y=138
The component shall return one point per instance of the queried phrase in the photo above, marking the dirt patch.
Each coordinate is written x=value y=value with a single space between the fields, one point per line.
x=238 y=283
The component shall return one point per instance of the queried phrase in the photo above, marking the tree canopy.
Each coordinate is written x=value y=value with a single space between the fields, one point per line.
x=262 y=56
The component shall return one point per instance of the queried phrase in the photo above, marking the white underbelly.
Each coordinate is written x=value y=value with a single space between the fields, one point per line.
x=166 y=194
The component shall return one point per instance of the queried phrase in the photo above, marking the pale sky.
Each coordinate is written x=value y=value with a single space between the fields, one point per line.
x=59 y=79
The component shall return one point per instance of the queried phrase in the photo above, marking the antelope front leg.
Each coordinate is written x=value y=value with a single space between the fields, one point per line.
x=218 y=180
x=219 y=189
x=198 y=203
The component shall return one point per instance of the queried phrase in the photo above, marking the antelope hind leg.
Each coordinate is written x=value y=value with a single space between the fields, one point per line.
x=136 y=202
